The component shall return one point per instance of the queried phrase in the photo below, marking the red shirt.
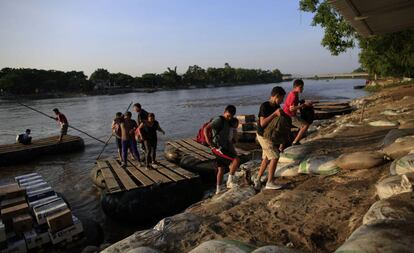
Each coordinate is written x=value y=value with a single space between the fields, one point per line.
x=291 y=99
x=62 y=119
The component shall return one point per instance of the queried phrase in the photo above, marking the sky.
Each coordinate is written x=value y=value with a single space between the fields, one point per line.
x=147 y=36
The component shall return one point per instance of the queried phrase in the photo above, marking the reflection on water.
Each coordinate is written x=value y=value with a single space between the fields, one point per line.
x=180 y=113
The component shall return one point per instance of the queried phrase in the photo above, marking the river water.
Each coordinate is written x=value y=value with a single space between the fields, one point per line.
x=180 y=113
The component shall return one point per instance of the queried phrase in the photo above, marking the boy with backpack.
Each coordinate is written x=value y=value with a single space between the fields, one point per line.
x=24 y=138
x=271 y=128
x=216 y=134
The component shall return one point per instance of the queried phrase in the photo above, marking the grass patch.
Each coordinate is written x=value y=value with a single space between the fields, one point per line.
x=377 y=88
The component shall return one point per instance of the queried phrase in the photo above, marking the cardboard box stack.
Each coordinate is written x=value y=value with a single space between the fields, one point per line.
x=246 y=131
x=33 y=215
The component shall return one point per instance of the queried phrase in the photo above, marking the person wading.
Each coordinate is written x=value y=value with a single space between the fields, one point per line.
x=222 y=147
x=64 y=124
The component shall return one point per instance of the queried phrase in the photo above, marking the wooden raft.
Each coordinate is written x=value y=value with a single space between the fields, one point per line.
x=190 y=147
x=18 y=153
x=118 y=179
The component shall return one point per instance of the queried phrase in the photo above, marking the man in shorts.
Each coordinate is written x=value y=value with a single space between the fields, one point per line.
x=270 y=152
x=64 y=124
x=291 y=108
x=222 y=147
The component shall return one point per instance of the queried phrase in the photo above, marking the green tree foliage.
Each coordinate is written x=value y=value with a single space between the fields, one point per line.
x=385 y=55
x=31 y=81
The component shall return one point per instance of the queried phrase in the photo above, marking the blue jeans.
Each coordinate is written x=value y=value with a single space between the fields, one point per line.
x=132 y=146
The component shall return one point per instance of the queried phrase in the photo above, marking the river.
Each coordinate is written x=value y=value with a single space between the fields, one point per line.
x=180 y=113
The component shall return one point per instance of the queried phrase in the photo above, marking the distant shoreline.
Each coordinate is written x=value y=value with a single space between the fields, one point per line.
x=117 y=91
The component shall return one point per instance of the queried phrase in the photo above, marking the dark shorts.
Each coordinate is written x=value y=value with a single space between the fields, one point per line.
x=118 y=143
x=223 y=157
x=64 y=129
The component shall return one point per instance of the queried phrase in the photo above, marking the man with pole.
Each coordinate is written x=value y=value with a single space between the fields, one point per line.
x=61 y=118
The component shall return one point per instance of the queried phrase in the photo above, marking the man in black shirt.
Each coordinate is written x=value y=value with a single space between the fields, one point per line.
x=270 y=152
x=142 y=114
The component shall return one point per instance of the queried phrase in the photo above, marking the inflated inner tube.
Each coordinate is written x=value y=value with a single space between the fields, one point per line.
x=97 y=178
x=153 y=202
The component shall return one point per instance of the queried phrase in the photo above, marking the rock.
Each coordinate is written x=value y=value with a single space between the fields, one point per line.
x=322 y=165
x=399 y=207
x=400 y=147
x=389 y=113
x=222 y=246
x=360 y=160
x=406 y=124
x=383 y=123
x=395 y=185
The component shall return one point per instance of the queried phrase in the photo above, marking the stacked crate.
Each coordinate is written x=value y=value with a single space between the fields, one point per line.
x=246 y=131
x=33 y=215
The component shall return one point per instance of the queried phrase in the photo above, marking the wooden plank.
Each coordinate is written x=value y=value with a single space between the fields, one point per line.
x=178 y=170
x=153 y=175
x=169 y=173
x=144 y=180
x=38 y=144
x=198 y=145
x=187 y=151
x=122 y=175
x=195 y=149
x=110 y=182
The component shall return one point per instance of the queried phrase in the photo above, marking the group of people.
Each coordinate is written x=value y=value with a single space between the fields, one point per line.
x=129 y=133
x=273 y=134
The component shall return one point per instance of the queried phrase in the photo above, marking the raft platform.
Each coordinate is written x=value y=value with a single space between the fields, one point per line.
x=200 y=152
x=138 y=194
x=20 y=153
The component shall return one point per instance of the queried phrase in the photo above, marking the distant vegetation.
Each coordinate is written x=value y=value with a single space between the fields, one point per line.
x=384 y=55
x=33 y=81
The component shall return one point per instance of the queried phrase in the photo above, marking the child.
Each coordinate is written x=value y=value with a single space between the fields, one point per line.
x=116 y=130
x=24 y=138
x=148 y=133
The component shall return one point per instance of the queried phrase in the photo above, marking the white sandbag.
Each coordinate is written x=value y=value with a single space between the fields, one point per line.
x=400 y=147
x=394 y=134
x=222 y=246
x=360 y=160
x=294 y=153
x=287 y=170
x=399 y=207
x=403 y=165
x=230 y=198
x=389 y=113
x=383 y=123
x=275 y=249
x=321 y=165
x=395 y=236
x=394 y=185
x=164 y=236
x=143 y=250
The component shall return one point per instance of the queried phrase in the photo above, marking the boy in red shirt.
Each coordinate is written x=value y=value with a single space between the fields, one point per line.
x=61 y=118
x=291 y=107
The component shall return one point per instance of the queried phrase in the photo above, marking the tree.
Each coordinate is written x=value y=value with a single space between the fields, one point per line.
x=100 y=75
x=390 y=54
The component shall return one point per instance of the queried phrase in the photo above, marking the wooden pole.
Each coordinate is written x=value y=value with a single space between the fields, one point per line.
x=85 y=133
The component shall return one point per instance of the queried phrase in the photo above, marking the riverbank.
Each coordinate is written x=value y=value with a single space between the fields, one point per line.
x=117 y=91
x=314 y=213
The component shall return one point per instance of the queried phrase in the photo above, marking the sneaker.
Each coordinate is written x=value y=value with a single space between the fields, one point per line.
x=123 y=165
x=272 y=186
x=220 y=189
x=230 y=184
x=257 y=184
